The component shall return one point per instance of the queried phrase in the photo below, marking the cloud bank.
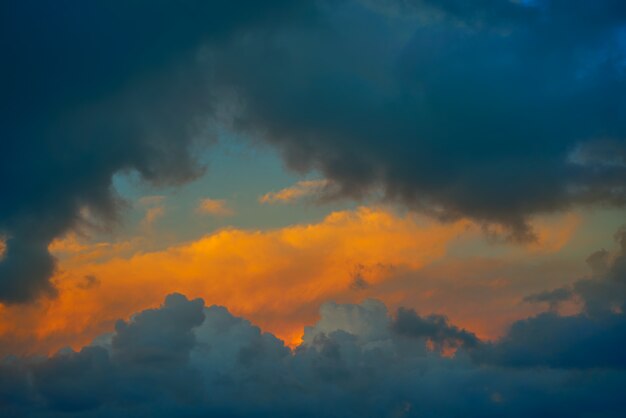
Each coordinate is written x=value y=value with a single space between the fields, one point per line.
x=185 y=359
x=277 y=277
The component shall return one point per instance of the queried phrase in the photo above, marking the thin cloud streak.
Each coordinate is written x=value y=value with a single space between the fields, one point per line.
x=302 y=189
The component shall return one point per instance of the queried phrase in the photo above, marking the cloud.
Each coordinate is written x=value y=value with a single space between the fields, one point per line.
x=435 y=328
x=186 y=359
x=552 y=297
x=214 y=207
x=604 y=291
x=279 y=277
x=154 y=207
x=588 y=339
x=87 y=93
x=152 y=215
x=301 y=189
x=90 y=281
x=456 y=110
x=550 y=340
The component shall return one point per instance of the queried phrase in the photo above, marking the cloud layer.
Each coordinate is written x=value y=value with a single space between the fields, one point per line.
x=358 y=360
x=495 y=111
x=278 y=278
x=184 y=359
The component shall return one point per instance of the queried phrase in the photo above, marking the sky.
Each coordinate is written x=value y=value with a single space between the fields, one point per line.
x=368 y=208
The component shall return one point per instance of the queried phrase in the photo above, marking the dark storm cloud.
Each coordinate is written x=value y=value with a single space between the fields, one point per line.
x=90 y=89
x=187 y=360
x=494 y=110
x=474 y=109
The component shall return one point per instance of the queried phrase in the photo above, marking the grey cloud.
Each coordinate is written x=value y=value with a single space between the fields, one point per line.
x=435 y=328
x=453 y=108
x=187 y=360
x=592 y=338
x=552 y=297
x=90 y=90
x=551 y=340
x=453 y=119
x=601 y=293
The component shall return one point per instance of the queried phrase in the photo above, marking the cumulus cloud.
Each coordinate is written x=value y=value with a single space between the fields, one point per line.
x=435 y=328
x=186 y=359
x=279 y=277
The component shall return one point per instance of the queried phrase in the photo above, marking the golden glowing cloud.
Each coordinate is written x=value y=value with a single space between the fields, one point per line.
x=215 y=207
x=278 y=278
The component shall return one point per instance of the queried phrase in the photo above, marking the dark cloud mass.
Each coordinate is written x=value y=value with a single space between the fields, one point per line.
x=494 y=110
x=187 y=360
x=90 y=89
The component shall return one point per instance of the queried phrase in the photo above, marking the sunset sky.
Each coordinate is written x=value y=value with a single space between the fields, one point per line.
x=351 y=208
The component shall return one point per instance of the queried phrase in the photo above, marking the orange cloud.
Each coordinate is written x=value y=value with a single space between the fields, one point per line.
x=299 y=190
x=278 y=278
x=215 y=207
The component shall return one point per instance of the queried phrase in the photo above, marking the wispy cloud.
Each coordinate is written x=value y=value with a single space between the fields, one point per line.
x=152 y=215
x=215 y=207
x=296 y=192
